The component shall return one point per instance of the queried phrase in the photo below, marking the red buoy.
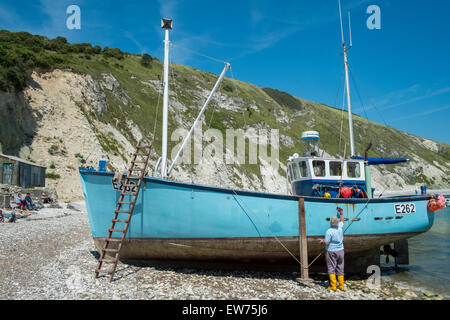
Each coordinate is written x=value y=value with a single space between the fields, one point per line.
x=346 y=192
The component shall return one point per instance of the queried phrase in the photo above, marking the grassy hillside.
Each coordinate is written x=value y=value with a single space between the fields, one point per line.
x=136 y=98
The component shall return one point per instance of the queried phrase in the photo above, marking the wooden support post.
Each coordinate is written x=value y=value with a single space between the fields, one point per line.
x=303 y=244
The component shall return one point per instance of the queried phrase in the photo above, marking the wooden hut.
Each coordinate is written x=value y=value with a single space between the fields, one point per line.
x=16 y=171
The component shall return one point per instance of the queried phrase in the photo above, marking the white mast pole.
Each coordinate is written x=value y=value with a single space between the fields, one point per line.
x=347 y=84
x=350 y=118
x=167 y=25
x=222 y=75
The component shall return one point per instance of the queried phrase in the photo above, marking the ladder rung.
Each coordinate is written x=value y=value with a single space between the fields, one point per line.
x=127 y=202
x=114 y=240
x=116 y=230
x=117 y=214
x=108 y=260
x=137 y=177
x=129 y=185
x=140 y=155
x=108 y=272
x=123 y=211
x=135 y=170
x=110 y=250
x=119 y=220
x=128 y=193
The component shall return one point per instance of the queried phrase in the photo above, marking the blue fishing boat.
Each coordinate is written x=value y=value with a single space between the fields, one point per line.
x=174 y=220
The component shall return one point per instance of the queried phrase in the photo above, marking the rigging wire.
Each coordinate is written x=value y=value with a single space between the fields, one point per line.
x=157 y=106
x=214 y=107
x=357 y=85
x=370 y=124
x=235 y=87
x=267 y=228
x=342 y=122
x=199 y=54
x=368 y=97
x=342 y=108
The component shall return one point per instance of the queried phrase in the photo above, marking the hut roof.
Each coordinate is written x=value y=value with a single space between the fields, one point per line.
x=20 y=160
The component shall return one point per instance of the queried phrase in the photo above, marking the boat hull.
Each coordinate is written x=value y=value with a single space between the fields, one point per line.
x=241 y=249
x=180 y=221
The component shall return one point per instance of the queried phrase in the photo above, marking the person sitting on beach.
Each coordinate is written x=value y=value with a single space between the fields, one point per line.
x=11 y=218
x=21 y=202
x=30 y=204
x=334 y=243
x=45 y=198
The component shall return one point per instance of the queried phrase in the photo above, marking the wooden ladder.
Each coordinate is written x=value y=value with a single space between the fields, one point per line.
x=128 y=189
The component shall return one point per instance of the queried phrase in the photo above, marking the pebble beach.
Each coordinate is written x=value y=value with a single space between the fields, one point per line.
x=50 y=255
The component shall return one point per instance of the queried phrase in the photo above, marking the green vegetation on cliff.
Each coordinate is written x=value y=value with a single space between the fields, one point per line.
x=21 y=52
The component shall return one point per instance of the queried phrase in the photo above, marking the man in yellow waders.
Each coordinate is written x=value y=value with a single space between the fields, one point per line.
x=334 y=244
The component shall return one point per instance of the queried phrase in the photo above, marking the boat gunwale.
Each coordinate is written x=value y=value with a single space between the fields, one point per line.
x=267 y=195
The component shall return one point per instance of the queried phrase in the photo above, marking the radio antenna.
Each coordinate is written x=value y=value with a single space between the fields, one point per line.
x=350 y=29
x=340 y=18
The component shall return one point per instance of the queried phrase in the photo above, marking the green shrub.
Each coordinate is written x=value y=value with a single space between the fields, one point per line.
x=228 y=87
x=97 y=50
x=53 y=149
x=146 y=60
x=113 y=53
x=52 y=175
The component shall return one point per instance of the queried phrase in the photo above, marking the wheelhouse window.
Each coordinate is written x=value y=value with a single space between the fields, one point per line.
x=335 y=168
x=353 y=170
x=303 y=169
x=294 y=171
x=319 y=168
x=291 y=177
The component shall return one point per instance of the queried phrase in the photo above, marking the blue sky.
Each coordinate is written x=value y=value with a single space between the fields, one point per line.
x=403 y=69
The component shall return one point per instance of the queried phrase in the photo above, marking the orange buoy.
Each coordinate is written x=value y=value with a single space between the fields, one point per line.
x=432 y=205
x=436 y=203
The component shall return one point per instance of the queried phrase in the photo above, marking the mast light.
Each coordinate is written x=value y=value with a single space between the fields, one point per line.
x=166 y=24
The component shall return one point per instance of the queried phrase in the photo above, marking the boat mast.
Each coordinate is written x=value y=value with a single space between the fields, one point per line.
x=167 y=25
x=347 y=84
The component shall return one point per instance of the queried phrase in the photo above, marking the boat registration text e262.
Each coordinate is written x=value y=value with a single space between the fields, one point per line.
x=405 y=208
x=120 y=187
